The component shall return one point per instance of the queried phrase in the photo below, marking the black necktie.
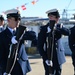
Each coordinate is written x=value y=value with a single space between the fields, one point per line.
x=14 y=32
x=1 y=29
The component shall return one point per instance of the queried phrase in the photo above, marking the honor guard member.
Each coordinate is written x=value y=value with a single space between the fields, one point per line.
x=71 y=40
x=58 y=56
x=1 y=23
x=7 y=37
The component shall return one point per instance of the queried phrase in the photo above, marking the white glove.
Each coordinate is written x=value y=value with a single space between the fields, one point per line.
x=49 y=63
x=13 y=40
x=6 y=73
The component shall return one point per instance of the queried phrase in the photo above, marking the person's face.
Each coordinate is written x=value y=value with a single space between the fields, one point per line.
x=1 y=22
x=13 y=22
x=52 y=17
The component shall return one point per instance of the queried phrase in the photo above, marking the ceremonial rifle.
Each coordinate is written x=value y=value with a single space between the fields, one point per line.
x=50 y=44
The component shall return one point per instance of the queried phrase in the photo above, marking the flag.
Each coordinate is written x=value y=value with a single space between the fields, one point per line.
x=23 y=7
x=34 y=1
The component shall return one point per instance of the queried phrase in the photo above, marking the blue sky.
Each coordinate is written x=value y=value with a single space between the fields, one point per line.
x=39 y=8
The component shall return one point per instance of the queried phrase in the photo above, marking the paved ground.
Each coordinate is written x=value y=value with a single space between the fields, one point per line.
x=37 y=67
